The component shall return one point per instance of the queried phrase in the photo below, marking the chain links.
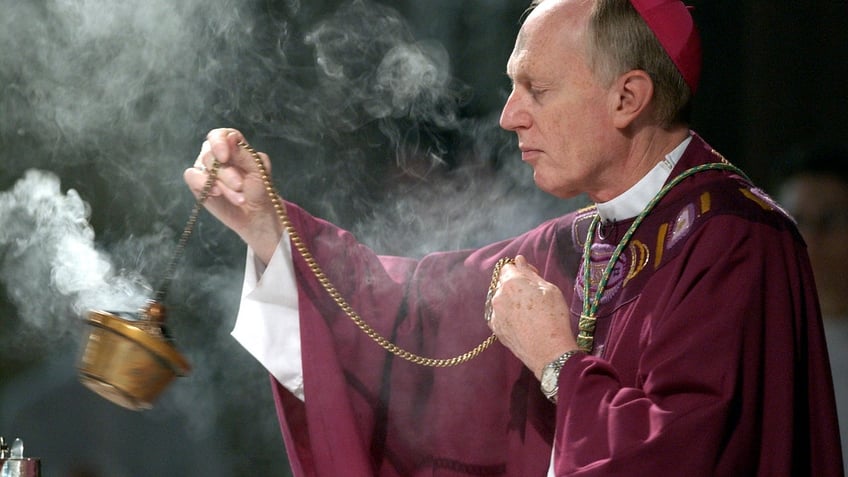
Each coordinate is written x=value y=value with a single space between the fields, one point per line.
x=171 y=268
x=331 y=290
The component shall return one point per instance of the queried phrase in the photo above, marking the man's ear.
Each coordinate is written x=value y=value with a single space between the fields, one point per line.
x=633 y=93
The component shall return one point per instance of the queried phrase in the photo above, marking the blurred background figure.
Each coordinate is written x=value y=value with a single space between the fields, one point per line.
x=815 y=191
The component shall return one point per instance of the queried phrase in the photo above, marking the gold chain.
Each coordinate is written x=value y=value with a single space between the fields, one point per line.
x=331 y=290
x=171 y=268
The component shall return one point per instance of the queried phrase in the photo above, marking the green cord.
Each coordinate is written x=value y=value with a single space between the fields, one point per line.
x=588 y=318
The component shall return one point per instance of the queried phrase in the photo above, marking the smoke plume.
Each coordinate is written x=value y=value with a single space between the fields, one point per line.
x=367 y=120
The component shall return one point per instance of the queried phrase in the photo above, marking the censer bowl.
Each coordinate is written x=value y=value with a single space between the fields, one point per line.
x=128 y=359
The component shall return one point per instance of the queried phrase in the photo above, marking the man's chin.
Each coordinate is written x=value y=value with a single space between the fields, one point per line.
x=556 y=190
x=545 y=186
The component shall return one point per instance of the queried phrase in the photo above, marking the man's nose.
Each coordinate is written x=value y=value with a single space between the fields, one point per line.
x=513 y=116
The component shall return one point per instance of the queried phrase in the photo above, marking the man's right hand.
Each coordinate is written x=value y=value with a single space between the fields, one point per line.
x=238 y=198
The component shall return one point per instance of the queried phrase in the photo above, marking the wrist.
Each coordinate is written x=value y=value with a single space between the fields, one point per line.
x=549 y=381
x=264 y=237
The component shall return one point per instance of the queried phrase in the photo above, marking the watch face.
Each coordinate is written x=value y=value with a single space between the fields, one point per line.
x=549 y=379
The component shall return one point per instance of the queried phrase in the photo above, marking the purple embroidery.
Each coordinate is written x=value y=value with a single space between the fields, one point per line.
x=681 y=225
x=599 y=257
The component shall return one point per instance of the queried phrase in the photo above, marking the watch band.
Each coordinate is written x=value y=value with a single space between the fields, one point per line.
x=550 y=374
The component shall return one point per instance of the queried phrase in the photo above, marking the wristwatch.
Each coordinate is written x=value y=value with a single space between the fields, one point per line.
x=550 y=375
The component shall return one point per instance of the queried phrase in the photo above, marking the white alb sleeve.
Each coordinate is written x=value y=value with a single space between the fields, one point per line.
x=268 y=321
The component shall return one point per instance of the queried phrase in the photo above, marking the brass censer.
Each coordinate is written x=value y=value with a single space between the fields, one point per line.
x=129 y=357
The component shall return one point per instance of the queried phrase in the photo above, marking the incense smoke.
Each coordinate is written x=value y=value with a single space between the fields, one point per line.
x=103 y=104
x=50 y=264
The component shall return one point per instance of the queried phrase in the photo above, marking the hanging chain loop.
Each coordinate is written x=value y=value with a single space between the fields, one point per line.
x=300 y=246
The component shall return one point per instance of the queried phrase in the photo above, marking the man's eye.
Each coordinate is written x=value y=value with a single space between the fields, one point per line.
x=536 y=92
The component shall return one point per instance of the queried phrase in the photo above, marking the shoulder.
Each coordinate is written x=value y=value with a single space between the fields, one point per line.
x=720 y=214
x=729 y=195
x=715 y=214
x=722 y=191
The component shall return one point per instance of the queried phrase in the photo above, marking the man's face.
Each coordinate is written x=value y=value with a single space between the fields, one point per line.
x=558 y=108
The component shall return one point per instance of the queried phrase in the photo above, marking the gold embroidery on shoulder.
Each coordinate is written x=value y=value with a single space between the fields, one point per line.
x=750 y=195
x=705 y=202
x=660 y=244
x=720 y=157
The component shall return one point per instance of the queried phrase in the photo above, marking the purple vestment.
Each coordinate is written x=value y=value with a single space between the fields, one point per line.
x=709 y=358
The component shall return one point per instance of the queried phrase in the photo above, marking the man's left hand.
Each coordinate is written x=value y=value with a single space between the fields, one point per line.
x=530 y=316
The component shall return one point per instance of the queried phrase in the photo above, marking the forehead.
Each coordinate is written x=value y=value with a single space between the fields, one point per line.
x=552 y=35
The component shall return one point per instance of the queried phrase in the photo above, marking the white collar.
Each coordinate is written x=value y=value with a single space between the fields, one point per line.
x=633 y=200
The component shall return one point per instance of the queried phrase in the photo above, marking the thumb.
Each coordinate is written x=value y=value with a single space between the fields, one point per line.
x=522 y=264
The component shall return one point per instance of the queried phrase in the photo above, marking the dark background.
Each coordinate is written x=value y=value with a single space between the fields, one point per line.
x=111 y=102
